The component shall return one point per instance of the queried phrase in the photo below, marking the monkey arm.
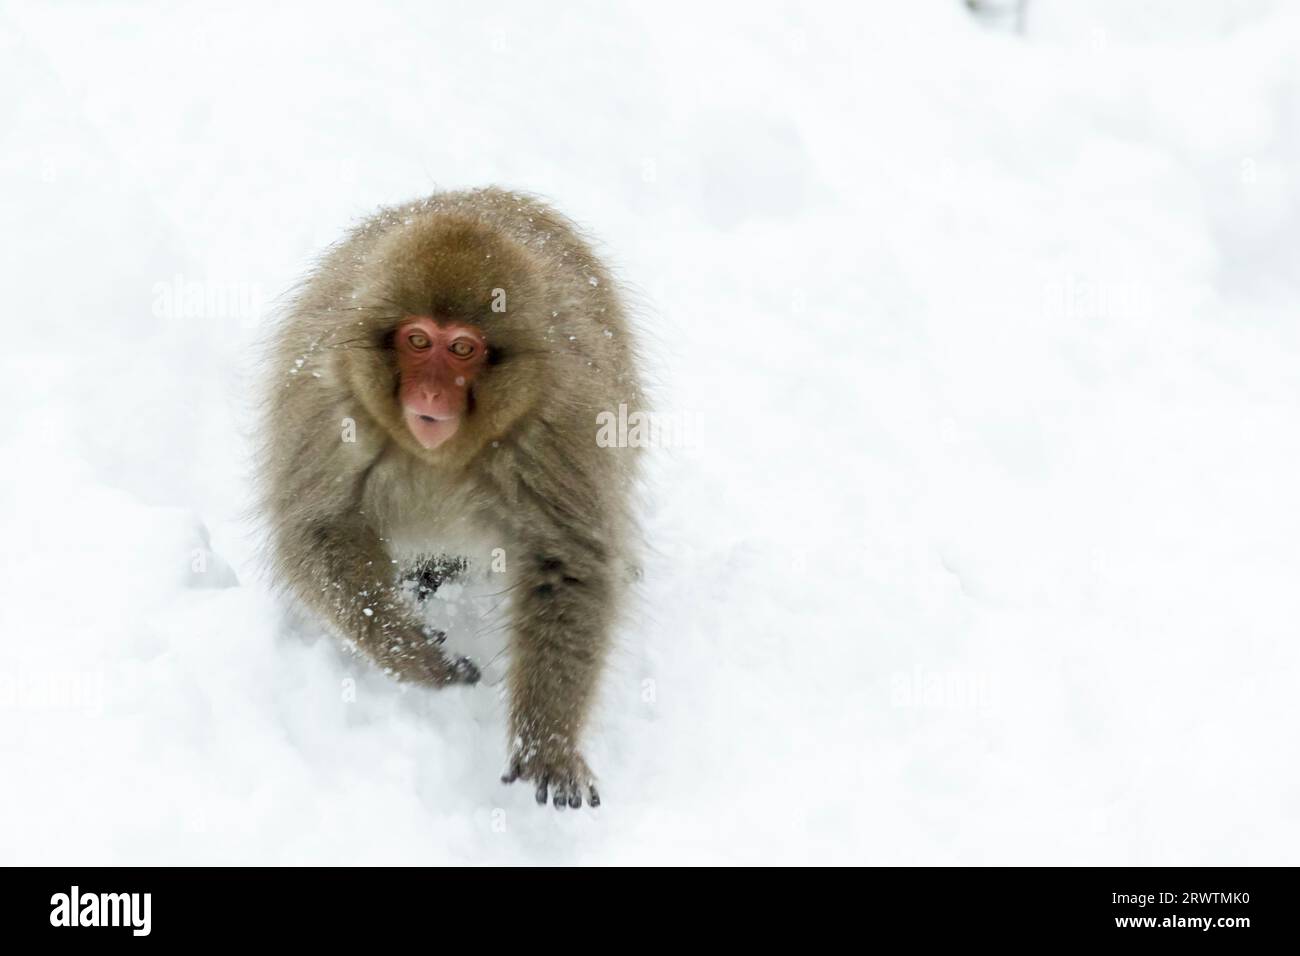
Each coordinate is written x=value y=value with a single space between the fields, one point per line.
x=561 y=631
x=560 y=505
x=563 y=610
x=344 y=574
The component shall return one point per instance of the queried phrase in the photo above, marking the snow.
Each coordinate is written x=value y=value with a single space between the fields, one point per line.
x=976 y=538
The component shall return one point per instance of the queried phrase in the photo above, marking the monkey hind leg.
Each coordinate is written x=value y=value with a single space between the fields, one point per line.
x=430 y=573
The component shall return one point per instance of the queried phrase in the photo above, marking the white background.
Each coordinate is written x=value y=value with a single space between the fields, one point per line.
x=982 y=543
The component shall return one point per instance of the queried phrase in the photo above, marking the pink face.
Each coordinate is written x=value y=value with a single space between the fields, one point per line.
x=437 y=363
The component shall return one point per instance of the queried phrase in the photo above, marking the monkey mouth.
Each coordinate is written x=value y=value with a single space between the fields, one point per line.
x=429 y=430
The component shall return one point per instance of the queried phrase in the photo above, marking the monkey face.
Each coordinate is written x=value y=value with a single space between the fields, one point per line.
x=436 y=364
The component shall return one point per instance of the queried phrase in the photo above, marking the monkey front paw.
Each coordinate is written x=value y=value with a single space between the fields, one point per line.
x=464 y=671
x=427 y=664
x=443 y=671
x=566 y=777
x=439 y=669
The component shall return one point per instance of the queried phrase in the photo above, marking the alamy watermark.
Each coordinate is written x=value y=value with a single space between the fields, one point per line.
x=102 y=909
x=941 y=690
x=1082 y=297
x=636 y=429
x=183 y=298
x=82 y=691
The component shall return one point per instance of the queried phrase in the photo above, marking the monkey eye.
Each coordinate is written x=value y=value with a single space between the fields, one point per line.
x=462 y=348
x=418 y=341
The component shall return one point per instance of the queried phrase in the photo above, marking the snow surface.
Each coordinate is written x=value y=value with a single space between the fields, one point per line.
x=980 y=545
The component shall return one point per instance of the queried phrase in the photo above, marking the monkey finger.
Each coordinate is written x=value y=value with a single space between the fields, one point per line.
x=575 y=795
x=512 y=772
x=541 y=789
x=593 y=796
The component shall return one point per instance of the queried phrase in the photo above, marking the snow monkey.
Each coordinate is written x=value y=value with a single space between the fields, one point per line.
x=436 y=388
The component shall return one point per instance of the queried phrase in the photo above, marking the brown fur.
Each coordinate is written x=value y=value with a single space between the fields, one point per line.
x=524 y=469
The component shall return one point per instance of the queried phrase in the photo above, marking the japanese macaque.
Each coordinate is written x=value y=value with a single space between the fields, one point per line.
x=436 y=389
